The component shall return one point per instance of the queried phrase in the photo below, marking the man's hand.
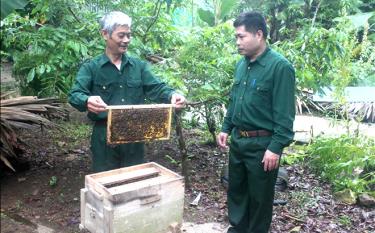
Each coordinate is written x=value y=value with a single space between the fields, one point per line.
x=221 y=140
x=178 y=100
x=96 y=105
x=270 y=160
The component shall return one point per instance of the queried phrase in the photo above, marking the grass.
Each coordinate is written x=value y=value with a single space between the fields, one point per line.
x=71 y=134
x=344 y=220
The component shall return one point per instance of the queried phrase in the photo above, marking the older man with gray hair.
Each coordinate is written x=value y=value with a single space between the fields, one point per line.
x=114 y=78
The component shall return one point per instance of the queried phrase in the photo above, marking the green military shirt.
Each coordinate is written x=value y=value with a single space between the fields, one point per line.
x=129 y=85
x=262 y=97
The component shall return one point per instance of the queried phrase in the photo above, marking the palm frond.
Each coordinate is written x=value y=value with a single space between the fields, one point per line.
x=25 y=112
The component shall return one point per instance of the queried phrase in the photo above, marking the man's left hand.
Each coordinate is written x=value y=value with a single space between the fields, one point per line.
x=270 y=160
x=178 y=100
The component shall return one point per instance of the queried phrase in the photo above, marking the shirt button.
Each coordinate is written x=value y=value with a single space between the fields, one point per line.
x=120 y=86
x=248 y=67
x=244 y=83
x=122 y=100
x=104 y=87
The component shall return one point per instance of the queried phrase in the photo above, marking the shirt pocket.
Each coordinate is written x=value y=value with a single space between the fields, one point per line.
x=235 y=88
x=105 y=89
x=134 y=91
x=262 y=96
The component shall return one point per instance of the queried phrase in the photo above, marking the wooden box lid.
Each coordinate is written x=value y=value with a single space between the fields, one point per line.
x=135 y=182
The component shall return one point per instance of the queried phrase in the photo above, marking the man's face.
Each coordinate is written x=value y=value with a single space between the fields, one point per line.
x=248 y=43
x=119 y=41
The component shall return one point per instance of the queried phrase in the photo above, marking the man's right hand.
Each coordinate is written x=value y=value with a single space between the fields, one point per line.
x=96 y=105
x=222 y=140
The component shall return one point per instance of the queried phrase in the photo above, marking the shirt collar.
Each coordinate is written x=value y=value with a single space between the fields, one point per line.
x=125 y=59
x=261 y=59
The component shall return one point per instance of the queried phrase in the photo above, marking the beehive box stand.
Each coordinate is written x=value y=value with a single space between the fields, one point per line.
x=145 y=198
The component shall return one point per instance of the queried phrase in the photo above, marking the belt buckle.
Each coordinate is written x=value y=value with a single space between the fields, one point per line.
x=245 y=134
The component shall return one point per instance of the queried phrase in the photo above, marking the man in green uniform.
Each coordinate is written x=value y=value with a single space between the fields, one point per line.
x=115 y=78
x=260 y=121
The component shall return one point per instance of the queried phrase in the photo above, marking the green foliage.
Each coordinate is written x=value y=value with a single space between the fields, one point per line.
x=207 y=62
x=52 y=181
x=315 y=53
x=346 y=162
x=207 y=72
x=297 y=155
x=72 y=134
x=345 y=220
x=49 y=42
x=172 y=160
x=47 y=57
x=217 y=12
x=363 y=68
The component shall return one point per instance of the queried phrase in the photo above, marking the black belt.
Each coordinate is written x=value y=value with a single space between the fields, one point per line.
x=254 y=133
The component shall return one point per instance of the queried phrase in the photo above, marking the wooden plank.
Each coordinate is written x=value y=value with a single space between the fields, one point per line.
x=83 y=208
x=153 y=182
x=120 y=170
x=97 y=181
x=128 y=177
x=140 y=106
x=138 y=123
x=96 y=187
x=108 y=220
x=164 y=171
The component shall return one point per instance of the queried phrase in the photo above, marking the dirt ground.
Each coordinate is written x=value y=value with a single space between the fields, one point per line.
x=45 y=198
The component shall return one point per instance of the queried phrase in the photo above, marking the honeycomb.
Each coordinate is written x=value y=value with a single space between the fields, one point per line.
x=138 y=123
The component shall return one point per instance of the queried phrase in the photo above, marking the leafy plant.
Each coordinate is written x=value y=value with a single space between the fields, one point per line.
x=217 y=11
x=346 y=162
x=297 y=155
x=52 y=181
x=207 y=72
x=345 y=220
x=48 y=50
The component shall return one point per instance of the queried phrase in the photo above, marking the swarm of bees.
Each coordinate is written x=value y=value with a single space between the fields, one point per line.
x=138 y=123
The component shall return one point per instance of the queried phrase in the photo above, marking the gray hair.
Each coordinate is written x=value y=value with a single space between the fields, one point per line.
x=110 y=21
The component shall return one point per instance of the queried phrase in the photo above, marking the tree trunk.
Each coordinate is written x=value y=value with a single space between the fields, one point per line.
x=210 y=121
x=182 y=146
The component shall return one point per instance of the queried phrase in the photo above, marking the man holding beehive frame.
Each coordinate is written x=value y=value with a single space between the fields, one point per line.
x=115 y=78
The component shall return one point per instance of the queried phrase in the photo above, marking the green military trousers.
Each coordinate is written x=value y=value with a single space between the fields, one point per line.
x=250 y=189
x=107 y=157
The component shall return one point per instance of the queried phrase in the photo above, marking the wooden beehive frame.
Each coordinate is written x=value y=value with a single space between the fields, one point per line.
x=148 y=135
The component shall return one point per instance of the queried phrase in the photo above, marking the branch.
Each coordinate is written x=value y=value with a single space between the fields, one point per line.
x=183 y=150
x=155 y=18
x=193 y=104
x=74 y=15
x=315 y=14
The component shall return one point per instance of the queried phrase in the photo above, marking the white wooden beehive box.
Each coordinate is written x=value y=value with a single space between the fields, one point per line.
x=145 y=198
